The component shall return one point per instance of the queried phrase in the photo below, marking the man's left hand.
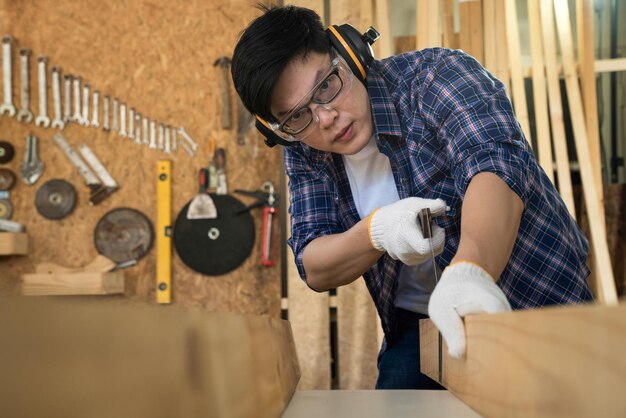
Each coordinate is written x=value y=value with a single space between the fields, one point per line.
x=464 y=288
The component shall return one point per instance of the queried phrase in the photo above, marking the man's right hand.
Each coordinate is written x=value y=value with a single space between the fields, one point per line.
x=394 y=228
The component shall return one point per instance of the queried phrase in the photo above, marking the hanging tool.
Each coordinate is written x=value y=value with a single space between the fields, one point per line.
x=56 y=199
x=220 y=166
x=202 y=206
x=7 y=179
x=32 y=167
x=245 y=120
x=164 y=232
x=7 y=152
x=101 y=183
x=124 y=235
x=266 y=198
x=224 y=63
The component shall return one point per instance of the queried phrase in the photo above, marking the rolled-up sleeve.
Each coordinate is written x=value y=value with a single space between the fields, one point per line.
x=312 y=206
x=475 y=122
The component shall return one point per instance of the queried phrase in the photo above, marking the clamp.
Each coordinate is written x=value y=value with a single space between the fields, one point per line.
x=267 y=199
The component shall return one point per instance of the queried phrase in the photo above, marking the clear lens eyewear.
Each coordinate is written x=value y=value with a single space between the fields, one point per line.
x=331 y=90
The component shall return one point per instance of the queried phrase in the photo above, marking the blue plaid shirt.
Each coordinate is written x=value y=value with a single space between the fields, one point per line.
x=441 y=118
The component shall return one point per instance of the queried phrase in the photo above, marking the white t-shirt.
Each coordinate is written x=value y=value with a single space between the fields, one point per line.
x=373 y=186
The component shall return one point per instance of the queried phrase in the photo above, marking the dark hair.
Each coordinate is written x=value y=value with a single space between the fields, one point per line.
x=267 y=45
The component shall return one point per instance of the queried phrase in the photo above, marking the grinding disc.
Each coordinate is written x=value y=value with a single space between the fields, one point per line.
x=6 y=209
x=7 y=152
x=215 y=246
x=7 y=179
x=124 y=234
x=55 y=199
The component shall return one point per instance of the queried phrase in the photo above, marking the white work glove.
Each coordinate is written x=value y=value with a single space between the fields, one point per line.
x=464 y=289
x=394 y=228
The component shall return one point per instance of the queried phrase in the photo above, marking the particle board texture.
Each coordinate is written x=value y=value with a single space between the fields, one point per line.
x=158 y=58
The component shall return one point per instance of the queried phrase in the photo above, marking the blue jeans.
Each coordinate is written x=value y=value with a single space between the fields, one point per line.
x=399 y=364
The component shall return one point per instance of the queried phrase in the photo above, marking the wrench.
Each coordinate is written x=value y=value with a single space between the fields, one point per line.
x=67 y=96
x=85 y=117
x=25 y=114
x=32 y=167
x=174 y=140
x=152 y=144
x=144 y=122
x=161 y=136
x=185 y=135
x=78 y=118
x=116 y=112
x=7 y=107
x=123 y=132
x=95 y=122
x=137 y=128
x=167 y=139
x=105 y=113
x=42 y=119
x=57 y=122
x=131 y=123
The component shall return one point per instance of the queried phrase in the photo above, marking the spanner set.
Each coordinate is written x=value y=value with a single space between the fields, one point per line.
x=116 y=116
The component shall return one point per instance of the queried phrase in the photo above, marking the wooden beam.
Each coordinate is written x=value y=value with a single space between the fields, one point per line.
x=586 y=64
x=382 y=47
x=71 y=359
x=503 y=71
x=490 y=36
x=607 y=293
x=13 y=243
x=610 y=65
x=517 y=77
x=540 y=98
x=471 y=30
x=83 y=283
x=551 y=362
x=556 y=107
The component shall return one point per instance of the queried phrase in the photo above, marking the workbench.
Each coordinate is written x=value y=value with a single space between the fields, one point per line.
x=376 y=404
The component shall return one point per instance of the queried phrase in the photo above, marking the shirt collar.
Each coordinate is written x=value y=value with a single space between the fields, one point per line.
x=384 y=114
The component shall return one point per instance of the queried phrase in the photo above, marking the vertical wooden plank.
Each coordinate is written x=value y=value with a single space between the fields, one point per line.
x=382 y=47
x=556 y=106
x=450 y=38
x=503 y=72
x=586 y=64
x=471 y=31
x=358 y=337
x=308 y=310
x=517 y=76
x=603 y=269
x=544 y=146
x=421 y=22
x=357 y=324
x=490 y=35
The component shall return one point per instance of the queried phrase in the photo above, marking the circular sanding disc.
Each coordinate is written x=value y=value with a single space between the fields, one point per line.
x=215 y=246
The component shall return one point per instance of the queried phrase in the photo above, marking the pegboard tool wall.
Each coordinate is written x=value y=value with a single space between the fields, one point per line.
x=156 y=56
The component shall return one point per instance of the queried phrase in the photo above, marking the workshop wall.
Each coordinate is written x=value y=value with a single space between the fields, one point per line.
x=155 y=56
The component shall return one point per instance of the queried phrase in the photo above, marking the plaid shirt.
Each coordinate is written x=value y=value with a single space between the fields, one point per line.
x=441 y=118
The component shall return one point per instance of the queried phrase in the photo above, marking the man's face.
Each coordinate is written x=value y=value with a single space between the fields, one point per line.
x=343 y=126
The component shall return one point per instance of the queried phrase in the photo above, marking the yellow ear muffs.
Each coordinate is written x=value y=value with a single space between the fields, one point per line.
x=354 y=48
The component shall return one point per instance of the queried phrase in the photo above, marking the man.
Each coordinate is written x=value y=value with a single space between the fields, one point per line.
x=428 y=129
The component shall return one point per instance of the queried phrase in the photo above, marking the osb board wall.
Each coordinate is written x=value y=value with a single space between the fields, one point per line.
x=157 y=56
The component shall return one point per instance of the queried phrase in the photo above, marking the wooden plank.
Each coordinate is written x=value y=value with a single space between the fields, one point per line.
x=13 y=243
x=308 y=311
x=610 y=65
x=602 y=261
x=83 y=283
x=540 y=98
x=358 y=337
x=490 y=36
x=471 y=30
x=421 y=22
x=71 y=359
x=556 y=107
x=586 y=64
x=517 y=78
x=450 y=37
x=551 y=362
x=382 y=47
x=503 y=72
